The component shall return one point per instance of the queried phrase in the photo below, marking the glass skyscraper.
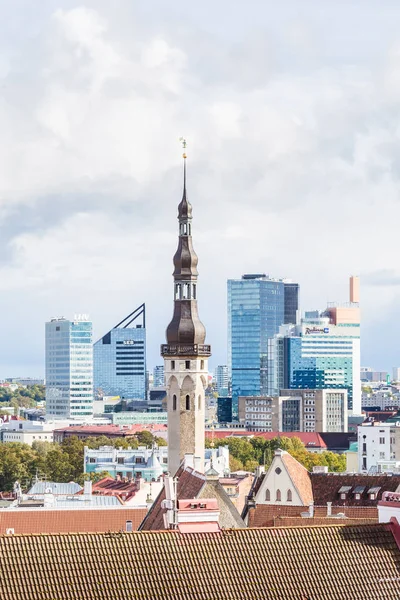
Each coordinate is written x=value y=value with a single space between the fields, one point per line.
x=256 y=310
x=323 y=352
x=69 y=368
x=120 y=359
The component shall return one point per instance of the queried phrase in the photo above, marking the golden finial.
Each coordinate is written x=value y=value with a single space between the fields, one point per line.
x=184 y=144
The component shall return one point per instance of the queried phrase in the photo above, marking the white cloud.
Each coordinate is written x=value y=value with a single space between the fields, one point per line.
x=293 y=165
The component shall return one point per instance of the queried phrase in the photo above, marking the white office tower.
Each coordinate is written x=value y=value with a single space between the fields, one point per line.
x=69 y=368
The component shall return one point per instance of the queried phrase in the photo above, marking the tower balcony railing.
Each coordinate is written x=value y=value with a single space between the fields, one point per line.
x=185 y=350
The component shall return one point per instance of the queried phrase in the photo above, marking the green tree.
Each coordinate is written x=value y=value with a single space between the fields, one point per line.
x=57 y=466
x=17 y=462
x=235 y=464
x=145 y=438
x=160 y=441
x=93 y=477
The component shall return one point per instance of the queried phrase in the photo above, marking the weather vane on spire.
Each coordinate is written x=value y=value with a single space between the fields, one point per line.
x=184 y=144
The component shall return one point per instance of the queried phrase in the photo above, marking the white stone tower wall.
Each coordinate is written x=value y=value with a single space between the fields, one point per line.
x=185 y=426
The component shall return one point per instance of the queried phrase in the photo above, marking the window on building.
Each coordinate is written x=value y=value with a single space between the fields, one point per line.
x=172 y=365
x=289 y=496
x=381 y=455
x=199 y=402
x=174 y=402
x=381 y=440
x=187 y=364
x=138 y=460
x=188 y=402
x=267 y=496
x=92 y=460
x=120 y=460
x=278 y=496
x=202 y=365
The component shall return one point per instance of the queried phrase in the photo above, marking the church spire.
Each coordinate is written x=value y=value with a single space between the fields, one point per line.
x=185 y=353
x=185 y=327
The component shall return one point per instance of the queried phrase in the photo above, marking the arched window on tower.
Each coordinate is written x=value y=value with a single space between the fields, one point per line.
x=267 y=495
x=289 y=495
x=189 y=229
x=199 y=402
x=178 y=291
x=278 y=496
x=174 y=402
x=187 y=402
x=194 y=291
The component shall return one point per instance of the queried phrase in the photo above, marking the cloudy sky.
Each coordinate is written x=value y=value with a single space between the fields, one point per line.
x=292 y=115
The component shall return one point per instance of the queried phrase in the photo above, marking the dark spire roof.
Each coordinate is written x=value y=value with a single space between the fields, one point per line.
x=184 y=208
x=185 y=327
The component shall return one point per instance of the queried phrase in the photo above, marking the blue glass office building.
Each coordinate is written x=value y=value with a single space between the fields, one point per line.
x=317 y=355
x=120 y=359
x=69 y=368
x=256 y=310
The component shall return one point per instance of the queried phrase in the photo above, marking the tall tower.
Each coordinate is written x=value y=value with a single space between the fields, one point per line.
x=185 y=354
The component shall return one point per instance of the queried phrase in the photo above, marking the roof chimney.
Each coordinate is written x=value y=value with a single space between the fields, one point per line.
x=329 y=509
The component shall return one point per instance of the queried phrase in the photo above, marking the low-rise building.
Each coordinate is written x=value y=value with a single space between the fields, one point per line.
x=287 y=494
x=377 y=442
x=114 y=431
x=131 y=463
x=26 y=432
x=296 y=410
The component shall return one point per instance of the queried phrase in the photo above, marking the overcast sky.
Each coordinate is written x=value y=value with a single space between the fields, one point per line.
x=292 y=114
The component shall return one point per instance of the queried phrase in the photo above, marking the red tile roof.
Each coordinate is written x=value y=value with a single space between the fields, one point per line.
x=125 y=490
x=334 y=562
x=192 y=484
x=69 y=521
x=115 y=430
x=326 y=488
x=268 y=515
x=310 y=440
x=300 y=477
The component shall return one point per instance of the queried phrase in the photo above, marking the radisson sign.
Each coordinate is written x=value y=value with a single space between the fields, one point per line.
x=311 y=330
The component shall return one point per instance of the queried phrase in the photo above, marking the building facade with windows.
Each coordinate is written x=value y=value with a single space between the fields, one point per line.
x=257 y=307
x=158 y=376
x=296 y=410
x=322 y=352
x=120 y=359
x=148 y=463
x=69 y=368
x=378 y=443
x=221 y=377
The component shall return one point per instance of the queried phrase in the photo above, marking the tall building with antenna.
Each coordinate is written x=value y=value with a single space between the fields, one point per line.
x=119 y=359
x=185 y=353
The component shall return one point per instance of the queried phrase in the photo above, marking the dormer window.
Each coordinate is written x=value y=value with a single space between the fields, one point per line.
x=344 y=491
x=373 y=493
x=358 y=490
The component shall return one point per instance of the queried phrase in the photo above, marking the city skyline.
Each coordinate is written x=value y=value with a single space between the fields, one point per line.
x=286 y=117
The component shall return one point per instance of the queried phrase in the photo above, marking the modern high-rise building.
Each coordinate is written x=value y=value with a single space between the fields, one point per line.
x=322 y=352
x=69 y=368
x=120 y=359
x=221 y=376
x=257 y=306
x=158 y=376
x=185 y=353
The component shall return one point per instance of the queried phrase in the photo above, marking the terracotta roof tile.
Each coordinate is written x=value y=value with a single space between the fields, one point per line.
x=192 y=484
x=319 y=563
x=69 y=521
x=300 y=477
x=267 y=515
x=326 y=488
